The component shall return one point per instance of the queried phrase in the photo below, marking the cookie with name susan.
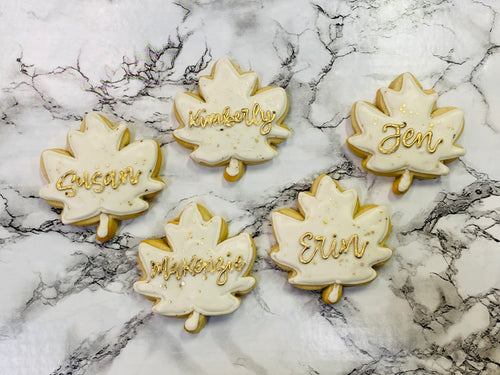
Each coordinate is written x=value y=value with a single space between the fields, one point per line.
x=101 y=177
x=404 y=135
x=231 y=121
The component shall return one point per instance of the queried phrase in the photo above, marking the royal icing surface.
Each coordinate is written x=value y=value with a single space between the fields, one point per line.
x=197 y=274
x=231 y=121
x=331 y=247
x=99 y=178
x=410 y=137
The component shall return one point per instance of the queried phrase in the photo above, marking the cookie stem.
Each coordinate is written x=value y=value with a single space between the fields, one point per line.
x=233 y=168
x=102 y=228
x=333 y=293
x=404 y=181
x=192 y=322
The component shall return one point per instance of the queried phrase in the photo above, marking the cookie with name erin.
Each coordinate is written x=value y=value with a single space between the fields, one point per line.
x=101 y=178
x=404 y=135
x=196 y=271
x=331 y=242
x=231 y=122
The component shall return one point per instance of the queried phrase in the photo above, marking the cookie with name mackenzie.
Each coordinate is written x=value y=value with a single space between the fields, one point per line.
x=196 y=271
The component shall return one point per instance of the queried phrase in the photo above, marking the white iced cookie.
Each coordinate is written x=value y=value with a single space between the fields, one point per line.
x=404 y=135
x=231 y=122
x=101 y=178
x=331 y=242
x=195 y=271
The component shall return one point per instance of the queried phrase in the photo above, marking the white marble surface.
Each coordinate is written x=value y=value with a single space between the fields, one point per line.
x=67 y=304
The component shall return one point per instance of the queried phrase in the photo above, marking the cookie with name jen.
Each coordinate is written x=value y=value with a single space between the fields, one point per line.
x=404 y=135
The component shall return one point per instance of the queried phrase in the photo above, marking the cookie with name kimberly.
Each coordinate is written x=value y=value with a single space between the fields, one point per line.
x=231 y=121
x=404 y=135
x=101 y=178
x=330 y=242
x=196 y=271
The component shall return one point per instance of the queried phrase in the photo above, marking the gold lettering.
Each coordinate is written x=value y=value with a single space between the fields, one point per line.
x=395 y=136
x=186 y=266
x=128 y=172
x=210 y=263
x=164 y=264
x=195 y=266
x=253 y=116
x=156 y=268
x=71 y=188
x=419 y=140
x=429 y=147
x=172 y=270
x=305 y=247
x=267 y=117
x=408 y=139
x=237 y=116
x=407 y=136
x=354 y=240
x=194 y=120
x=239 y=263
x=227 y=119
x=198 y=266
x=109 y=179
x=320 y=243
x=223 y=274
x=218 y=264
x=245 y=112
x=96 y=180
x=331 y=251
x=80 y=181
x=255 y=113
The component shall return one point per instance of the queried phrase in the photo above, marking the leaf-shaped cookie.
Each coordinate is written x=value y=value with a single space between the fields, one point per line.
x=231 y=121
x=101 y=177
x=331 y=242
x=195 y=271
x=404 y=135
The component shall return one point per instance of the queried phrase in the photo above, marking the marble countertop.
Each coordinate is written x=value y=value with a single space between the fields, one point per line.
x=67 y=303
